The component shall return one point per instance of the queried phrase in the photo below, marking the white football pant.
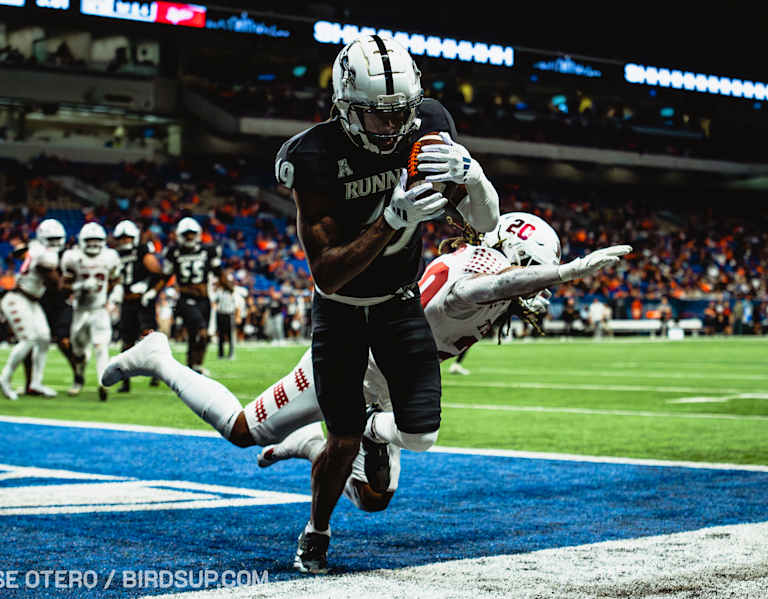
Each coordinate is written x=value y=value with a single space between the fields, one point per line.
x=92 y=327
x=27 y=320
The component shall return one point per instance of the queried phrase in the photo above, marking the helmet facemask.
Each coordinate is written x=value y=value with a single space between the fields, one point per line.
x=92 y=246
x=189 y=239
x=126 y=242
x=127 y=235
x=376 y=89
x=51 y=234
x=54 y=242
x=381 y=127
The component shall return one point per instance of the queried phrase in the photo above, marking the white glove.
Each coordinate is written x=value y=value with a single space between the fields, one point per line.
x=539 y=303
x=404 y=209
x=139 y=287
x=89 y=284
x=451 y=161
x=117 y=295
x=591 y=263
x=148 y=297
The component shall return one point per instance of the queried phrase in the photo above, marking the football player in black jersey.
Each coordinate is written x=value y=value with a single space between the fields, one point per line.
x=361 y=231
x=191 y=262
x=142 y=279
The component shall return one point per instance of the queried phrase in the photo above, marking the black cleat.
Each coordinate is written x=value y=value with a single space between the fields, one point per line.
x=376 y=459
x=312 y=553
x=125 y=387
x=154 y=382
x=102 y=393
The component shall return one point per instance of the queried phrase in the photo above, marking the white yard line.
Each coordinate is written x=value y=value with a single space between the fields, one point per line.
x=724 y=561
x=598 y=412
x=136 y=428
x=594 y=387
x=520 y=370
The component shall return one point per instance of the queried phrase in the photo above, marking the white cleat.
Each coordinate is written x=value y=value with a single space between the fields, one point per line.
x=293 y=446
x=5 y=387
x=75 y=389
x=143 y=359
x=457 y=368
x=41 y=390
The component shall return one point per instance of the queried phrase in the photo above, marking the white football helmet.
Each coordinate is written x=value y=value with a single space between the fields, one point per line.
x=188 y=232
x=126 y=228
x=51 y=233
x=376 y=89
x=92 y=239
x=525 y=239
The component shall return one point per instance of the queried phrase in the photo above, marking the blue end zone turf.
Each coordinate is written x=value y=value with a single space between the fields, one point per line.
x=447 y=507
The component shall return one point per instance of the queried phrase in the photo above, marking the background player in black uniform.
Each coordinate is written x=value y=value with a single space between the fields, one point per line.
x=191 y=262
x=142 y=279
x=361 y=233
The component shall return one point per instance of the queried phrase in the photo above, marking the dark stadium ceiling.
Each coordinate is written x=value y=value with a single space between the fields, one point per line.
x=723 y=39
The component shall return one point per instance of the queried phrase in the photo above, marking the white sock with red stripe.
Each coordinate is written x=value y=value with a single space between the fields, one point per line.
x=207 y=398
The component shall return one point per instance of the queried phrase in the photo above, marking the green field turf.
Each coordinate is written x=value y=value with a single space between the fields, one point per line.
x=617 y=398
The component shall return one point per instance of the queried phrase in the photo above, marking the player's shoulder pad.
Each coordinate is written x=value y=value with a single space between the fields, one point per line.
x=304 y=156
x=435 y=117
x=49 y=258
x=69 y=257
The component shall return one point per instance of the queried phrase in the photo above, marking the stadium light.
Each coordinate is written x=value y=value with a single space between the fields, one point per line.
x=326 y=32
x=698 y=82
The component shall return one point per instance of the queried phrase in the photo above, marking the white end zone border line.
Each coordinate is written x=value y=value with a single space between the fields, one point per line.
x=710 y=563
x=510 y=453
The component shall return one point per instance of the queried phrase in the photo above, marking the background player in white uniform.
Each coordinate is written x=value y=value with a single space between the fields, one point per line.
x=463 y=294
x=21 y=307
x=91 y=270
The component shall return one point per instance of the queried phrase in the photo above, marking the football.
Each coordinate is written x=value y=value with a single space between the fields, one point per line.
x=454 y=192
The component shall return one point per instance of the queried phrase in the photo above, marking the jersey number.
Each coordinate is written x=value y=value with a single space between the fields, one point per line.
x=128 y=272
x=192 y=272
x=523 y=228
x=432 y=281
x=284 y=173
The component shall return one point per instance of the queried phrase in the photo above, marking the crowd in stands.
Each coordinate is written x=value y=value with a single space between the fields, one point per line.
x=498 y=111
x=697 y=261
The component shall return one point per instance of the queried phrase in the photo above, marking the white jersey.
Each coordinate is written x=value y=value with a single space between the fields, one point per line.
x=92 y=275
x=30 y=280
x=461 y=326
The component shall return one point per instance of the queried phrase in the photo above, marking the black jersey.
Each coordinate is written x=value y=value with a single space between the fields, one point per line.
x=324 y=160
x=192 y=265
x=134 y=270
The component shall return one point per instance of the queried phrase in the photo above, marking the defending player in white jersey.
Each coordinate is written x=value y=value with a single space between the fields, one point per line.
x=91 y=270
x=463 y=294
x=21 y=307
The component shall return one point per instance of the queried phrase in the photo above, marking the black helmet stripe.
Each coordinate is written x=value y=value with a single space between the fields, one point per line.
x=385 y=62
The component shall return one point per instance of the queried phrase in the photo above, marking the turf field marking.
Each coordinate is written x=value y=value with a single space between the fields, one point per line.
x=725 y=399
x=569 y=457
x=755 y=365
x=644 y=375
x=120 y=494
x=137 y=428
x=591 y=387
x=593 y=412
x=709 y=563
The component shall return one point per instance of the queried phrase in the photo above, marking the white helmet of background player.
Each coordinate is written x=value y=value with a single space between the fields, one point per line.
x=51 y=233
x=92 y=239
x=188 y=232
x=525 y=239
x=376 y=89
x=126 y=228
